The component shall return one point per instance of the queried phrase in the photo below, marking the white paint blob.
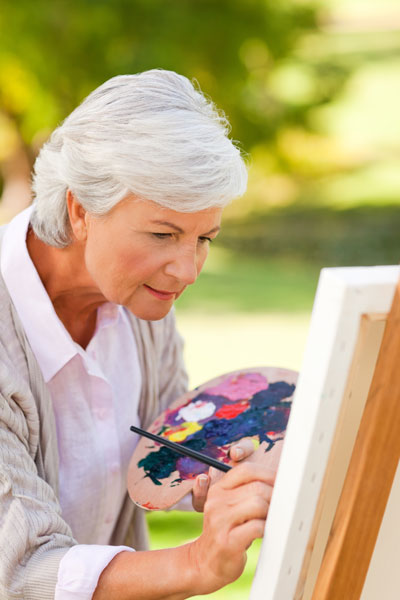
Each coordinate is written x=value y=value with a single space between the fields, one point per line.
x=196 y=411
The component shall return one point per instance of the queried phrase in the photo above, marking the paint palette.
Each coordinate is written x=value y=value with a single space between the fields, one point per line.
x=251 y=403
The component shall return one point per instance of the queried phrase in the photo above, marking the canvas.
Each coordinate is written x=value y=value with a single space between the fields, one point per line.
x=345 y=334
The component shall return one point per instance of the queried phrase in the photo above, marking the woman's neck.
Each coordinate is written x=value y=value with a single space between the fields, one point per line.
x=69 y=286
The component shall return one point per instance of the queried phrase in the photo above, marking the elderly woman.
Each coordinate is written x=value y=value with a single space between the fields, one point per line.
x=128 y=195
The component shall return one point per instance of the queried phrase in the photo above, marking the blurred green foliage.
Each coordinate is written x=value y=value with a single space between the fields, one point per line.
x=318 y=236
x=54 y=53
x=310 y=88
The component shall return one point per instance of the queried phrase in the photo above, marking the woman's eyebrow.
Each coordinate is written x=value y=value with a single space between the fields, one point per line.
x=213 y=230
x=168 y=224
x=179 y=230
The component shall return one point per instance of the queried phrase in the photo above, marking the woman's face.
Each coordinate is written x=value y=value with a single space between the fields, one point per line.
x=143 y=256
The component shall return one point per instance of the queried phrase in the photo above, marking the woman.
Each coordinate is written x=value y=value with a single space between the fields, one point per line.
x=128 y=195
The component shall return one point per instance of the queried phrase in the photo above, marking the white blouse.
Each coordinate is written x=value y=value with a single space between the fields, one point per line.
x=95 y=393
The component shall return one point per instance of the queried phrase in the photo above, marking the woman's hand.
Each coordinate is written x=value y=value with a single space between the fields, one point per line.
x=234 y=516
x=237 y=453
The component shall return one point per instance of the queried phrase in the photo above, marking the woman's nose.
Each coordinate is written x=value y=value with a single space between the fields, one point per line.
x=183 y=267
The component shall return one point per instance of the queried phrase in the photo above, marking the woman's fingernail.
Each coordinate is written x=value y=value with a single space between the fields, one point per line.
x=239 y=453
x=203 y=481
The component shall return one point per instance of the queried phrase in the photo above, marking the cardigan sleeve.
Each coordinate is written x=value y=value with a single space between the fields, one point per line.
x=33 y=536
x=172 y=375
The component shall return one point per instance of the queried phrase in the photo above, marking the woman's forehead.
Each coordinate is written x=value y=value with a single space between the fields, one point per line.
x=147 y=212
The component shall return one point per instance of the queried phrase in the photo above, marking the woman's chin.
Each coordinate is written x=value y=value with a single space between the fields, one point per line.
x=152 y=311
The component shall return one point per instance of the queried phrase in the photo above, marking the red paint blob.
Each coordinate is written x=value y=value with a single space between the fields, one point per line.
x=230 y=411
x=150 y=506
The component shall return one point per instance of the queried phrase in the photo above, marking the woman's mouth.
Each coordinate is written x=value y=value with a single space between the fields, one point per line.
x=161 y=294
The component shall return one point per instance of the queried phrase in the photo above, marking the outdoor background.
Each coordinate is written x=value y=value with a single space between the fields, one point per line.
x=312 y=91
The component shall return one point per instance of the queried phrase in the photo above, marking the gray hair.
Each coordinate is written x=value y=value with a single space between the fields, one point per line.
x=152 y=135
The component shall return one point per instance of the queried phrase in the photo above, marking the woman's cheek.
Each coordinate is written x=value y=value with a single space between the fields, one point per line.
x=101 y=269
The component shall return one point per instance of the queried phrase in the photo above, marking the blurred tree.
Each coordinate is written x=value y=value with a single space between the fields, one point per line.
x=52 y=54
x=311 y=92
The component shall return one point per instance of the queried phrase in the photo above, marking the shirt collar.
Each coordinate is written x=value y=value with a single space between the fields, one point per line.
x=51 y=343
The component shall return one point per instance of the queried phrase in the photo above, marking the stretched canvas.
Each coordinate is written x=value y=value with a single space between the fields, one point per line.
x=345 y=334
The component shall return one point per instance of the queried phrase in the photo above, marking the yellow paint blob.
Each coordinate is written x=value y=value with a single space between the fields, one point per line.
x=256 y=443
x=189 y=428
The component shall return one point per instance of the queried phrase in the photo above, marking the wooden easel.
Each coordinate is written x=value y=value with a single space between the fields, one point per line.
x=372 y=467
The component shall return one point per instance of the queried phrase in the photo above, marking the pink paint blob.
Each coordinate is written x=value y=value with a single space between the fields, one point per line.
x=239 y=387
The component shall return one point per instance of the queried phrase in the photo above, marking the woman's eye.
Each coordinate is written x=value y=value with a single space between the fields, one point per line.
x=162 y=236
x=165 y=236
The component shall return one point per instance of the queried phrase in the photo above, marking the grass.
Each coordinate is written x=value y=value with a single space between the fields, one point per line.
x=237 y=283
x=217 y=344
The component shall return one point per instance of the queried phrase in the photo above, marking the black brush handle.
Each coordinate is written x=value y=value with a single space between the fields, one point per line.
x=211 y=462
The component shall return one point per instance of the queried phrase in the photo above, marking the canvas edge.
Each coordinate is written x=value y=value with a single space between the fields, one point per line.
x=343 y=295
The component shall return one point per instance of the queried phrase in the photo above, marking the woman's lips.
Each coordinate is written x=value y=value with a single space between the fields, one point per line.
x=161 y=294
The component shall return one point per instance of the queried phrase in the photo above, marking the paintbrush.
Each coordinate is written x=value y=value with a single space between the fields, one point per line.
x=211 y=462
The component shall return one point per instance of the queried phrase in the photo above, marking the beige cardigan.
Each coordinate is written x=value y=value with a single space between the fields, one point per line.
x=33 y=535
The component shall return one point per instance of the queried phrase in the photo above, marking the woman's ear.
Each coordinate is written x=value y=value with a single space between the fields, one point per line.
x=76 y=214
